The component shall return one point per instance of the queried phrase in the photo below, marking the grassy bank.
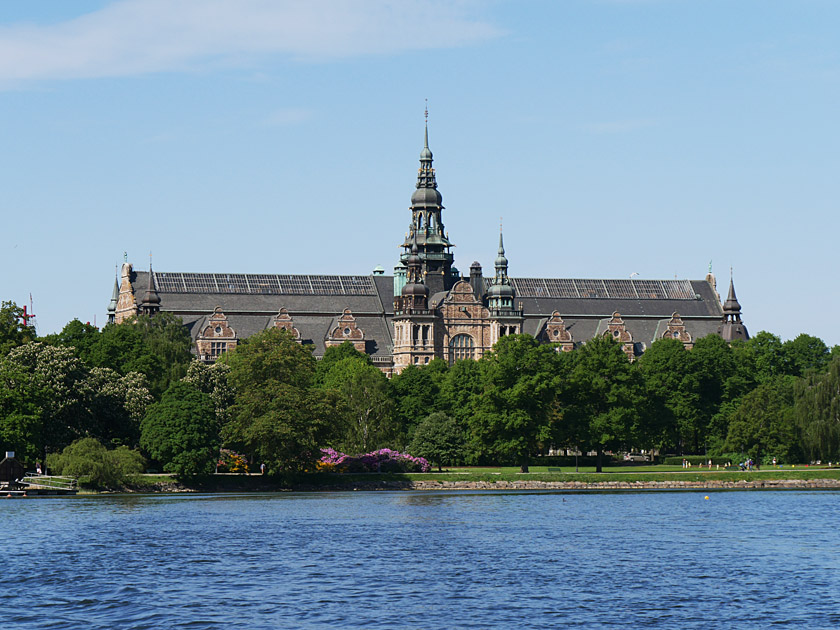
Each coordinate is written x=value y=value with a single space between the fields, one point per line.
x=329 y=481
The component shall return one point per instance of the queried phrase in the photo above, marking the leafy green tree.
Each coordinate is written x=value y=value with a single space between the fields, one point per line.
x=364 y=403
x=181 y=432
x=157 y=347
x=671 y=391
x=82 y=337
x=116 y=405
x=763 y=426
x=416 y=394
x=440 y=439
x=21 y=415
x=817 y=412
x=213 y=380
x=602 y=397
x=95 y=466
x=278 y=416
x=62 y=393
x=13 y=332
x=712 y=364
x=513 y=416
x=335 y=354
x=805 y=353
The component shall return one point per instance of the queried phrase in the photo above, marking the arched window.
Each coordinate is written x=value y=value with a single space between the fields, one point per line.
x=461 y=347
x=420 y=221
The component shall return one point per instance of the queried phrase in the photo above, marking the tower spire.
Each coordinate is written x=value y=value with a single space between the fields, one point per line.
x=426 y=228
x=732 y=327
x=115 y=297
x=151 y=300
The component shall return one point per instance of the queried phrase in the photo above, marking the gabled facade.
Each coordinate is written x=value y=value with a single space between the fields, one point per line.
x=427 y=309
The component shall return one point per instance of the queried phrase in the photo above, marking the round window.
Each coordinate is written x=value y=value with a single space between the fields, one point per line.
x=556 y=333
x=346 y=331
x=218 y=330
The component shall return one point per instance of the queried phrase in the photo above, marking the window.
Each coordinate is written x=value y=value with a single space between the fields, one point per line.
x=461 y=347
x=217 y=348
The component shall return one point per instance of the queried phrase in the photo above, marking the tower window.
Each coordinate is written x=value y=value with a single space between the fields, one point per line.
x=461 y=347
x=217 y=348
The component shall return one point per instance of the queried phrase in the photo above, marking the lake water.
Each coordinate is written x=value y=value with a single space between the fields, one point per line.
x=423 y=560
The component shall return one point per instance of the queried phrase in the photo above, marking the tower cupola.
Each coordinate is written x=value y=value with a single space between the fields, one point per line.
x=732 y=327
x=426 y=227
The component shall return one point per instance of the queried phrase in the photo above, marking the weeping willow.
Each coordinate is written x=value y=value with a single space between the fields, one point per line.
x=818 y=413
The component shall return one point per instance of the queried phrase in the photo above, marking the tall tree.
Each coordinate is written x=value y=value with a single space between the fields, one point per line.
x=514 y=414
x=416 y=393
x=817 y=412
x=364 y=404
x=804 y=353
x=277 y=415
x=672 y=389
x=180 y=431
x=602 y=397
x=762 y=426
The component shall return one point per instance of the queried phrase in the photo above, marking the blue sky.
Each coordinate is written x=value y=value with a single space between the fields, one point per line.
x=613 y=137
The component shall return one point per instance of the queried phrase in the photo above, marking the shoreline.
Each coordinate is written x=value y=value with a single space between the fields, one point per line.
x=385 y=485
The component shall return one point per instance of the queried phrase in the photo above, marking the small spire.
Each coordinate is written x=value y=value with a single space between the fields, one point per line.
x=426 y=153
x=115 y=297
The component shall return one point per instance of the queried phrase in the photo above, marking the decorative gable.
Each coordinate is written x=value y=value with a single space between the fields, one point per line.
x=555 y=332
x=347 y=330
x=617 y=329
x=284 y=320
x=216 y=338
x=676 y=330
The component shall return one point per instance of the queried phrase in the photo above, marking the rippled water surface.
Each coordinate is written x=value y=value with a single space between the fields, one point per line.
x=423 y=560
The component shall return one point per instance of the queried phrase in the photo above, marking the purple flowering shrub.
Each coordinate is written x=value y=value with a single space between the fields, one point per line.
x=383 y=460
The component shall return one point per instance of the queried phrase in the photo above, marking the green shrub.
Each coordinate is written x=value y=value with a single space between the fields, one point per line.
x=95 y=466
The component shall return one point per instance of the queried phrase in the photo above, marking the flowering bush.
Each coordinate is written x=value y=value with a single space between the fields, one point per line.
x=232 y=462
x=383 y=460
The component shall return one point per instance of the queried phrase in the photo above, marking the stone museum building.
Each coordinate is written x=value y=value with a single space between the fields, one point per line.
x=428 y=308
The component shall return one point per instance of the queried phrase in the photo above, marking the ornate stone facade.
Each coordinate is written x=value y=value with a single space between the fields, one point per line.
x=428 y=309
x=347 y=329
x=216 y=338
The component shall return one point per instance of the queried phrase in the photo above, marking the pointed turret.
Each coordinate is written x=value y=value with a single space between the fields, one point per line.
x=732 y=327
x=426 y=227
x=115 y=297
x=151 y=300
x=500 y=295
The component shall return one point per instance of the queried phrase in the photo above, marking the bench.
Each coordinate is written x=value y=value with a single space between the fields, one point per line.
x=550 y=469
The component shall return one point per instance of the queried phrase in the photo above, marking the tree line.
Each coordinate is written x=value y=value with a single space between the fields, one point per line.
x=135 y=386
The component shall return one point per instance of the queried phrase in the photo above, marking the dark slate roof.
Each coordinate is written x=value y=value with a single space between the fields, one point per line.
x=313 y=315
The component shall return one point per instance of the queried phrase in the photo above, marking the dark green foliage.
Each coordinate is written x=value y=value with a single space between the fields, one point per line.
x=416 y=393
x=157 y=347
x=181 y=431
x=364 y=405
x=440 y=439
x=13 y=332
x=805 y=353
x=817 y=412
x=278 y=417
x=603 y=398
x=514 y=414
x=95 y=466
x=335 y=354
x=762 y=426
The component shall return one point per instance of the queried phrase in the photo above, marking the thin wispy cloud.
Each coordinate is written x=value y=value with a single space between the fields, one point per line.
x=132 y=37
